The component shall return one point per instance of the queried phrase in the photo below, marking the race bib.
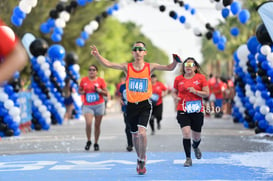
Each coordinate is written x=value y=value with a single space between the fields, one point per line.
x=193 y=106
x=155 y=97
x=138 y=85
x=92 y=97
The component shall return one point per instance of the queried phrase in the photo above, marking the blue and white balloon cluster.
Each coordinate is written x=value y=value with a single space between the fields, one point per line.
x=93 y=25
x=9 y=112
x=56 y=55
x=72 y=71
x=20 y=12
x=57 y=21
x=254 y=89
x=235 y=9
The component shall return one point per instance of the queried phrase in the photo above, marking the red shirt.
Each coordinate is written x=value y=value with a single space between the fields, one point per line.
x=158 y=88
x=91 y=97
x=181 y=84
x=8 y=39
x=217 y=89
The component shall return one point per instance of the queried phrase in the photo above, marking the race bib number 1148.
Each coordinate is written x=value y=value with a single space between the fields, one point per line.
x=138 y=85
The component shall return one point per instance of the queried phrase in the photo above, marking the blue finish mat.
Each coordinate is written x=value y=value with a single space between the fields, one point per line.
x=115 y=166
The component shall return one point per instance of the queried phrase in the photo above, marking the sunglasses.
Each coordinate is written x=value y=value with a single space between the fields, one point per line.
x=138 y=49
x=94 y=70
x=189 y=64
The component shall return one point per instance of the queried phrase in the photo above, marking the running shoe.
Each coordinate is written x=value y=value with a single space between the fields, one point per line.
x=197 y=153
x=129 y=148
x=188 y=162
x=96 y=147
x=87 y=146
x=141 y=169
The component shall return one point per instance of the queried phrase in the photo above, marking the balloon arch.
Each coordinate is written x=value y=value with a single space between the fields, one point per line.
x=253 y=65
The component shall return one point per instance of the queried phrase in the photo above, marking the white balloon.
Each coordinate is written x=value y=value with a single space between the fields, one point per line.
x=243 y=52
x=57 y=64
x=269 y=117
x=26 y=8
x=8 y=104
x=265 y=49
x=41 y=59
x=17 y=119
x=37 y=102
x=65 y=16
x=47 y=73
x=88 y=29
x=94 y=24
x=270 y=56
x=45 y=66
x=1 y=89
x=76 y=67
x=32 y=3
x=264 y=109
x=14 y=111
x=60 y=23
x=258 y=93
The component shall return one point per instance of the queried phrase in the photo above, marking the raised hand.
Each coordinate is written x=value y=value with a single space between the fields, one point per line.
x=94 y=50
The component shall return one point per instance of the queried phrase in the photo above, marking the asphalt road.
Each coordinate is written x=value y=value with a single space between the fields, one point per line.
x=219 y=135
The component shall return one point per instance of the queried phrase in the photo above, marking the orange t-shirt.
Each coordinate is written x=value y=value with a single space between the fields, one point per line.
x=189 y=101
x=91 y=97
x=138 y=83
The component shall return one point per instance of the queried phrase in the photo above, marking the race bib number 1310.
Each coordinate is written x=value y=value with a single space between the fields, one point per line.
x=138 y=85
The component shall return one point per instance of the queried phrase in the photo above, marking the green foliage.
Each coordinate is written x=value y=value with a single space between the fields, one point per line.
x=113 y=39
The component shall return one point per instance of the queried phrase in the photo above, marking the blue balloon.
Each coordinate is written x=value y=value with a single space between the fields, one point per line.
x=116 y=7
x=221 y=46
x=8 y=89
x=263 y=124
x=265 y=65
x=182 y=19
x=269 y=129
x=16 y=21
x=244 y=16
x=51 y=22
x=44 y=28
x=17 y=132
x=109 y=11
x=19 y=13
x=56 y=52
x=187 y=6
x=80 y=42
x=55 y=37
x=234 y=31
x=235 y=7
x=58 y=30
x=225 y=12
x=193 y=11
x=90 y=1
x=252 y=44
x=81 y=2
x=84 y=35
x=216 y=36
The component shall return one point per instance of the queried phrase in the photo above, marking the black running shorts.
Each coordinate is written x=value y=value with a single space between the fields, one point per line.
x=157 y=112
x=138 y=114
x=194 y=120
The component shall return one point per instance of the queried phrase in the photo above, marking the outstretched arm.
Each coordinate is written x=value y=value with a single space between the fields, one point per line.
x=169 y=67
x=105 y=62
x=13 y=62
